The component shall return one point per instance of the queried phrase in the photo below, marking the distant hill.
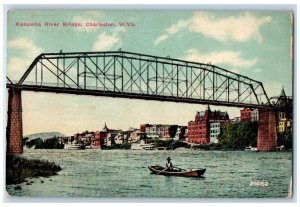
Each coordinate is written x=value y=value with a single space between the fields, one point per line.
x=45 y=135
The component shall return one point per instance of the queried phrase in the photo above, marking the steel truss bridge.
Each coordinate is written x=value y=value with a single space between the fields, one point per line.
x=139 y=76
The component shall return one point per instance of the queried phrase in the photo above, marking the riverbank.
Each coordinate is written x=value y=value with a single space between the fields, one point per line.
x=175 y=145
x=18 y=169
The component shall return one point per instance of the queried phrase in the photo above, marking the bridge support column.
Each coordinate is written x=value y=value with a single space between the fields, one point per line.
x=267 y=134
x=14 y=129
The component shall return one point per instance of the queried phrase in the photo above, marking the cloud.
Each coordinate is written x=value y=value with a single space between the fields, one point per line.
x=225 y=57
x=160 y=38
x=238 y=28
x=175 y=28
x=26 y=50
x=235 y=28
x=27 y=46
x=107 y=41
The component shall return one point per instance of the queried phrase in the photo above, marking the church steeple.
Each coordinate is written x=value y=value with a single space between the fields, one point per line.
x=105 y=128
x=208 y=108
x=282 y=93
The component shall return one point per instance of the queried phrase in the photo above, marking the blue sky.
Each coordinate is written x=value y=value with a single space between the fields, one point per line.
x=254 y=44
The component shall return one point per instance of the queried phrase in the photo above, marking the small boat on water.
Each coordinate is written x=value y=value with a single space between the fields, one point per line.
x=142 y=146
x=281 y=148
x=249 y=148
x=159 y=170
x=92 y=147
x=72 y=146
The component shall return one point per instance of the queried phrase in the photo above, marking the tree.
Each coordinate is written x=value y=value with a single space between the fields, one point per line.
x=33 y=142
x=286 y=139
x=227 y=139
x=173 y=130
x=182 y=133
x=24 y=140
x=239 y=135
x=39 y=144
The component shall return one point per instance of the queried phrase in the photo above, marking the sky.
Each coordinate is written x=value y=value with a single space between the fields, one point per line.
x=253 y=44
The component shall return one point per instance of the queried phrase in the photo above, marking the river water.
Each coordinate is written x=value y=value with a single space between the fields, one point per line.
x=124 y=173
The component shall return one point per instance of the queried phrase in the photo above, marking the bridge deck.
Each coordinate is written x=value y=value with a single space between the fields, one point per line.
x=137 y=96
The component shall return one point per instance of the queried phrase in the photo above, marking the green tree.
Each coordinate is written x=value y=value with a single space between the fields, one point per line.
x=238 y=135
x=39 y=144
x=286 y=139
x=33 y=142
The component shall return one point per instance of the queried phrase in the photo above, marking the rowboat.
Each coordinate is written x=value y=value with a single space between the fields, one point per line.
x=159 y=170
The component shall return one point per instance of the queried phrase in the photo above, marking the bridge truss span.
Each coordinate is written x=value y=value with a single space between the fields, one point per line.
x=133 y=75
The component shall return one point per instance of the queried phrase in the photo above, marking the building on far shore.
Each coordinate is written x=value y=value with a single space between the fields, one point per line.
x=84 y=137
x=285 y=125
x=249 y=115
x=235 y=120
x=162 y=131
x=144 y=126
x=215 y=130
x=166 y=134
x=207 y=126
x=254 y=115
x=182 y=133
x=96 y=140
x=285 y=122
x=136 y=135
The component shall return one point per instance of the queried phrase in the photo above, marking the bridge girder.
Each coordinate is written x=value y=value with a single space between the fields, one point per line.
x=133 y=75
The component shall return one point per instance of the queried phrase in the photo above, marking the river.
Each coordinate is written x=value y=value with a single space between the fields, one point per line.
x=124 y=173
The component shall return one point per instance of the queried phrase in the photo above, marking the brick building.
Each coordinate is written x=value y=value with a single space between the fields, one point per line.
x=246 y=115
x=166 y=131
x=96 y=141
x=206 y=122
x=106 y=136
x=143 y=127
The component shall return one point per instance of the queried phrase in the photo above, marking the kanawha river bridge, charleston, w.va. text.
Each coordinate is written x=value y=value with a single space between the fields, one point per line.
x=138 y=76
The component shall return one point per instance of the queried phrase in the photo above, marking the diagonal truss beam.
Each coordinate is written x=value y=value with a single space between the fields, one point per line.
x=127 y=72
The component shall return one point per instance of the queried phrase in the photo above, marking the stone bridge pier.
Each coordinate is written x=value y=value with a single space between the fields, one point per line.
x=14 y=129
x=267 y=134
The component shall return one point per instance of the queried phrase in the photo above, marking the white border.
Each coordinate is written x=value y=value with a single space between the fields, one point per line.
x=115 y=4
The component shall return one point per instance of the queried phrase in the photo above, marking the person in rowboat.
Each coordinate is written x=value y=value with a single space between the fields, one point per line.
x=169 y=165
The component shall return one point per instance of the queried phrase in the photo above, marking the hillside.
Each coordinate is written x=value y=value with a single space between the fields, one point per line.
x=44 y=135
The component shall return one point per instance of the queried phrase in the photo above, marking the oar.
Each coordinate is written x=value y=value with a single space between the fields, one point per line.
x=179 y=168
x=161 y=171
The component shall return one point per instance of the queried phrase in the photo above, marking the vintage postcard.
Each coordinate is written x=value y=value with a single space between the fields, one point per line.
x=149 y=104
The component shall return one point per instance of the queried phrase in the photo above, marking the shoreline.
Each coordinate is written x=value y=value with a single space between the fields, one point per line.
x=19 y=169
